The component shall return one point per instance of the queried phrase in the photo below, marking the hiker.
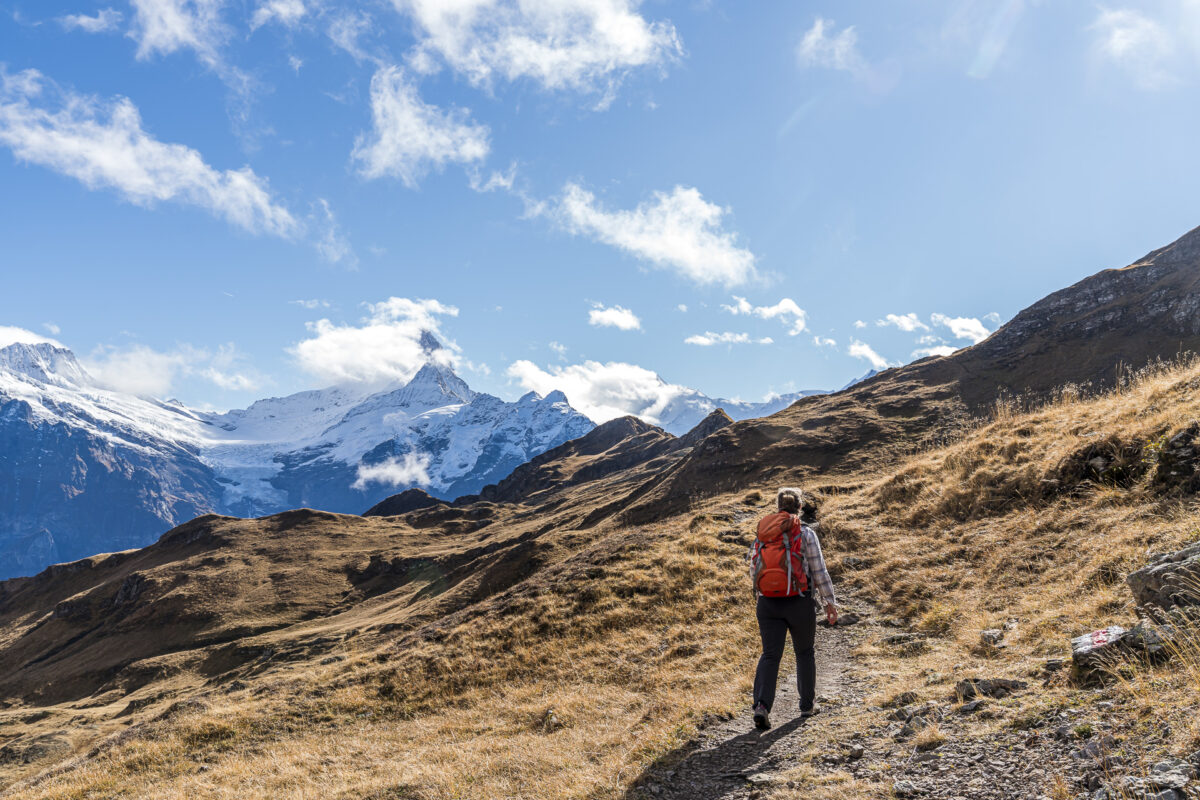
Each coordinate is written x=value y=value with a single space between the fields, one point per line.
x=786 y=564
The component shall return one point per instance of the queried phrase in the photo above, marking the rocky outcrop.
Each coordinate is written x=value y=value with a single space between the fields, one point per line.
x=1173 y=580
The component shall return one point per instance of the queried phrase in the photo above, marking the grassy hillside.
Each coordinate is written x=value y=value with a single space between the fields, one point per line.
x=571 y=681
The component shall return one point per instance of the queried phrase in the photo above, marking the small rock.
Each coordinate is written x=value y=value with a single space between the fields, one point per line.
x=762 y=778
x=905 y=789
x=971 y=706
x=855 y=752
x=902 y=699
x=1095 y=749
x=911 y=727
x=992 y=637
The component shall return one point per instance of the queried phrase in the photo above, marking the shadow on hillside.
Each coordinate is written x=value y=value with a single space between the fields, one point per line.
x=689 y=771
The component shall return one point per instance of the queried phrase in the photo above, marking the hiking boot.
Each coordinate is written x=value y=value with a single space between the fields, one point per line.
x=761 y=720
x=806 y=713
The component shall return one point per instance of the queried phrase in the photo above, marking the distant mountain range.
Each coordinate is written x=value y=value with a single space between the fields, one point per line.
x=84 y=469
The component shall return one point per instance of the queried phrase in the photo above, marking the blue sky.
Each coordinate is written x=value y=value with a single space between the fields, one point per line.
x=219 y=201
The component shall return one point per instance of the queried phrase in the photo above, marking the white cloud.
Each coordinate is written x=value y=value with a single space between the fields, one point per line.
x=413 y=468
x=411 y=136
x=963 y=327
x=310 y=304
x=561 y=349
x=1002 y=22
x=784 y=309
x=345 y=30
x=10 y=334
x=824 y=341
x=603 y=391
x=286 y=12
x=1137 y=44
x=821 y=47
x=295 y=63
x=165 y=26
x=992 y=317
x=54 y=329
x=614 y=317
x=680 y=231
x=386 y=346
x=102 y=144
x=682 y=308
x=329 y=240
x=142 y=370
x=105 y=20
x=708 y=338
x=583 y=45
x=905 y=322
x=935 y=350
x=858 y=323
x=496 y=180
x=866 y=352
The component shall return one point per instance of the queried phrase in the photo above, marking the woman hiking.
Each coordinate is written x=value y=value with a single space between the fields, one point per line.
x=786 y=564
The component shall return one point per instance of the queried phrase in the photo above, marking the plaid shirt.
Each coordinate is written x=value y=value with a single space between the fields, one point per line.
x=814 y=568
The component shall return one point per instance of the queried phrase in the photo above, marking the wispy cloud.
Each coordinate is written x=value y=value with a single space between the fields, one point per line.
x=906 y=322
x=142 y=370
x=824 y=341
x=708 y=339
x=410 y=136
x=785 y=310
x=102 y=144
x=105 y=20
x=963 y=327
x=413 y=468
x=996 y=37
x=285 y=12
x=385 y=345
x=824 y=46
x=10 y=334
x=582 y=45
x=678 y=230
x=867 y=353
x=614 y=317
x=603 y=391
x=934 y=350
x=161 y=27
x=1138 y=44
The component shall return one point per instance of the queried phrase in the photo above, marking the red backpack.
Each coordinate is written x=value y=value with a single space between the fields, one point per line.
x=776 y=557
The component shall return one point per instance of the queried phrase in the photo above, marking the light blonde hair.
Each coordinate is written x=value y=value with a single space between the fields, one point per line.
x=785 y=498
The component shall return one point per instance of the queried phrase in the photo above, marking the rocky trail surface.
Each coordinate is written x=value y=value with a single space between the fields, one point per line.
x=729 y=758
x=995 y=742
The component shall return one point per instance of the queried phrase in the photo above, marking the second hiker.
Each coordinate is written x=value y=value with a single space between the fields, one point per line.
x=790 y=583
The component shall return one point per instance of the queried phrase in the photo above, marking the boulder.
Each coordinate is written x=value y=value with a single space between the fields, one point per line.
x=1095 y=655
x=1172 y=580
x=1096 y=652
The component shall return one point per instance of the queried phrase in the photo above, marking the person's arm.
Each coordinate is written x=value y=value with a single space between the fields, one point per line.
x=819 y=573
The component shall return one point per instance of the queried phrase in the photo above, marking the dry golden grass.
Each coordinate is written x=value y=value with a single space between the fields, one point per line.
x=1005 y=525
x=567 y=688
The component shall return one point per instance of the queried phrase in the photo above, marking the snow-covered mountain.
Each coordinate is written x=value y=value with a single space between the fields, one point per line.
x=685 y=411
x=85 y=470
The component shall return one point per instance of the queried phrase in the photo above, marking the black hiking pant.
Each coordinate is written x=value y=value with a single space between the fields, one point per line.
x=777 y=616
